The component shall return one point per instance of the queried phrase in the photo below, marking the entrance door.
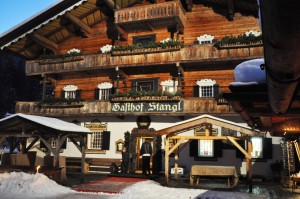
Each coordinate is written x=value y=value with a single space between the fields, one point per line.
x=139 y=143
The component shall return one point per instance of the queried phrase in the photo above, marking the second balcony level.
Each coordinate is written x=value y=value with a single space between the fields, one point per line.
x=150 y=17
x=189 y=56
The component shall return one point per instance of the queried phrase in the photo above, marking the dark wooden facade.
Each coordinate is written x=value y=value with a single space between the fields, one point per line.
x=91 y=25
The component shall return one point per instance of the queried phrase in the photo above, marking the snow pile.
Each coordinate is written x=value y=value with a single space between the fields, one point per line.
x=24 y=185
x=250 y=72
x=149 y=190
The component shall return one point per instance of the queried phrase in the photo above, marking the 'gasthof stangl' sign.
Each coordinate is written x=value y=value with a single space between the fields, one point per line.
x=176 y=106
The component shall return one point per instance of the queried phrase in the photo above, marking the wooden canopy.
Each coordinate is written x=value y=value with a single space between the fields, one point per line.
x=180 y=142
x=24 y=126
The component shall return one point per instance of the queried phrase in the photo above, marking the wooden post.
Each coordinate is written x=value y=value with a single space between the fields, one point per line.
x=83 y=147
x=44 y=86
x=249 y=164
x=176 y=162
x=179 y=77
x=167 y=161
x=118 y=79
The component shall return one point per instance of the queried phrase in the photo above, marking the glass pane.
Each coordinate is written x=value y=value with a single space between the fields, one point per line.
x=257 y=145
x=206 y=91
x=96 y=140
x=206 y=148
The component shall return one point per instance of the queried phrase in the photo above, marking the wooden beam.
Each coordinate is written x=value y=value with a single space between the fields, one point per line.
x=123 y=74
x=48 y=146
x=167 y=161
x=112 y=4
x=45 y=42
x=232 y=140
x=249 y=165
x=32 y=143
x=203 y=137
x=230 y=5
x=176 y=145
x=85 y=29
x=75 y=143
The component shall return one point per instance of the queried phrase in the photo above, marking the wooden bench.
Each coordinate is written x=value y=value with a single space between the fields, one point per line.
x=218 y=171
x=74 y=163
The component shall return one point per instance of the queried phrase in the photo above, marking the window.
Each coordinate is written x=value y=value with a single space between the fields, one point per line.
x=99 y=139
x=206 y=148
x=257 y=147
x=145 y=84
x=104 y=90
x=169 y=86
x=206 y=87
x=70 y=92
x=95 y=140
x=144 y=40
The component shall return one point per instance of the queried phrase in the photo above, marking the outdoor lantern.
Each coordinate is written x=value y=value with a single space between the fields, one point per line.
x=143 y=122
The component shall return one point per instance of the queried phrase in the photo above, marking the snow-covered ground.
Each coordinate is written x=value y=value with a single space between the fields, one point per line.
x=20 y=185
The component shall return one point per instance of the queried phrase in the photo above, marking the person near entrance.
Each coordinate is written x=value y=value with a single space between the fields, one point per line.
x=125 y=160
x=146 y=152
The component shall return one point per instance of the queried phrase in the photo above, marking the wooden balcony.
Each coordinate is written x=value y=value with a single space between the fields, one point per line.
x=185 y=107
x=195 y=54
x=150 y=17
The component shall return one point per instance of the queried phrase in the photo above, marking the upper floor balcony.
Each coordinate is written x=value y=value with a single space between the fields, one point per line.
x=159 y=15
x=188 y=56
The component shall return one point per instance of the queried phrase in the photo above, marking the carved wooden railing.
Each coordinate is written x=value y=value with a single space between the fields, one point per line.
x=200 y=53
x=154 y=11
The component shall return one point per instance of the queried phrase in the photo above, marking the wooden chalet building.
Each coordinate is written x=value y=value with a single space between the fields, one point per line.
x=138 y=66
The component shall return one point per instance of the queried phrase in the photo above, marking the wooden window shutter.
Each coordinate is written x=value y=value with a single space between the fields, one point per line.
x=196 y=91
x=62 y=94
x=194 y=148
x=78 y=94
x=267 y=148
x=96 y=94
x=216 y=90
x=105 y=140
x=218 y=148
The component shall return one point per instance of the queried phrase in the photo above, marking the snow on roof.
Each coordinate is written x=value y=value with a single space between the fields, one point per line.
x=51 y=122
x=36 y=16
x=208 y=116
x=250 y=71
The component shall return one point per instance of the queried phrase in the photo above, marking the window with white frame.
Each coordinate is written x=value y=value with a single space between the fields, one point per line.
x=206 y=87
x=95 y=140
x=70 y=91
x=96 y=137
x=169 y=86
x=206 y=148
x=257 y=147
x=104 y=90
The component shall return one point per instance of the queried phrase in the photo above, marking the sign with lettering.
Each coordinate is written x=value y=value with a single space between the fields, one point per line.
x=162 y=106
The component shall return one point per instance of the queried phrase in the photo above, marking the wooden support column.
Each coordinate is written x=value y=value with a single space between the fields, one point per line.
x=179 y=77
x=249 y=164
x=176 y=161
x=83 y=148
x=167 y=161
x=44 y=86
x=118 y=80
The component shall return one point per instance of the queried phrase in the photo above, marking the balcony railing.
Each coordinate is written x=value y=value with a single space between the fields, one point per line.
x=171 y=12
x=195 y=53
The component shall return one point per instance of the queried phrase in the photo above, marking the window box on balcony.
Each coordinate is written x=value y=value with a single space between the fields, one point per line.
x=60 y=60
x=63 y=105
x=60 y=103
x=239 y=45
x=146 y=51
x=146 y=98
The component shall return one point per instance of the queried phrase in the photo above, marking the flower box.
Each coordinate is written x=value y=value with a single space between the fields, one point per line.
x=146 y=98
x=146 y=51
